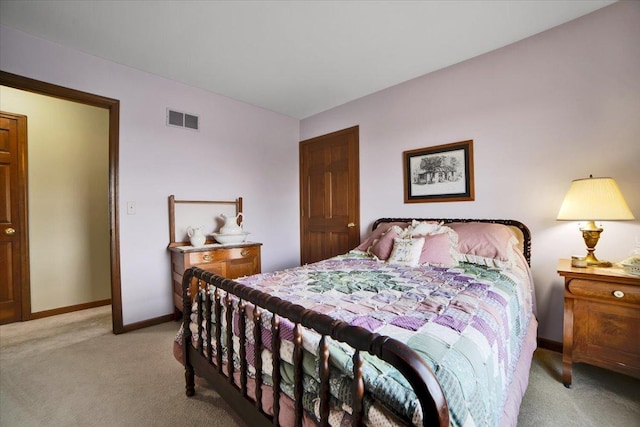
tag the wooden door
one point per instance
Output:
(329, 195)
(13, 234)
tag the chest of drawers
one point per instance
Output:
(230, 261)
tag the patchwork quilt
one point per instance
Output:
(468, 322)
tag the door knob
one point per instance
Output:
(351, 225)
(10, 231)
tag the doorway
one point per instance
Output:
(112, 107)
(329, 195)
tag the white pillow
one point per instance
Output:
(423, 228)
(406, 251)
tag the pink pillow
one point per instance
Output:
(375, 234)
(485, 243)
(437, 251)
(382, 248)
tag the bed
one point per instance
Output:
(427, 322)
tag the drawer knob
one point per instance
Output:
(207, 257)
(245, 252)
(618, 294)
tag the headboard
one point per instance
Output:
(520, 230)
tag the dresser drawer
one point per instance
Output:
(226, 254)
(606, 291)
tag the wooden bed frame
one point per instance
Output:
(236, 393)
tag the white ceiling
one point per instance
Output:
(294, 57)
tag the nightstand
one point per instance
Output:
(601, 319)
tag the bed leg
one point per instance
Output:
(189, 374)
(189, 377)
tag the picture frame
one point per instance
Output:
(442, 173)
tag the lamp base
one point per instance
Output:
(592, 261)
(591, 235)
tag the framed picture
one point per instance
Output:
(443, 173)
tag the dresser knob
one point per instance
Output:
(618, 294)
(207, 257)
(245, 252)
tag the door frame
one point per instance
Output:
(113, 106)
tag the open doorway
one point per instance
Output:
(112, 107)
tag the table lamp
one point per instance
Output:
(594, 199)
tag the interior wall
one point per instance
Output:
(552, 108)
(68, 205)
(240, 150)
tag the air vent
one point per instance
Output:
(182, 120)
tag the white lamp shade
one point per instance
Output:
(594, 199)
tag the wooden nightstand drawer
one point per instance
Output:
(604, 290)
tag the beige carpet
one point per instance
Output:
(597, 397)
(70, 370)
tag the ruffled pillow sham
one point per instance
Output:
(423, 228)
(489, 244)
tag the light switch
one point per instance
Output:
(131, 208)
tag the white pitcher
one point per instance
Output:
(231, 224)
(196, 236)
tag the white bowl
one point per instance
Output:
(230, 238)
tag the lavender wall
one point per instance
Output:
(241, 150)
(557, 106)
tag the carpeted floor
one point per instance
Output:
(70, 370)
(597, 397)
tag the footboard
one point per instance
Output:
(210, 292)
